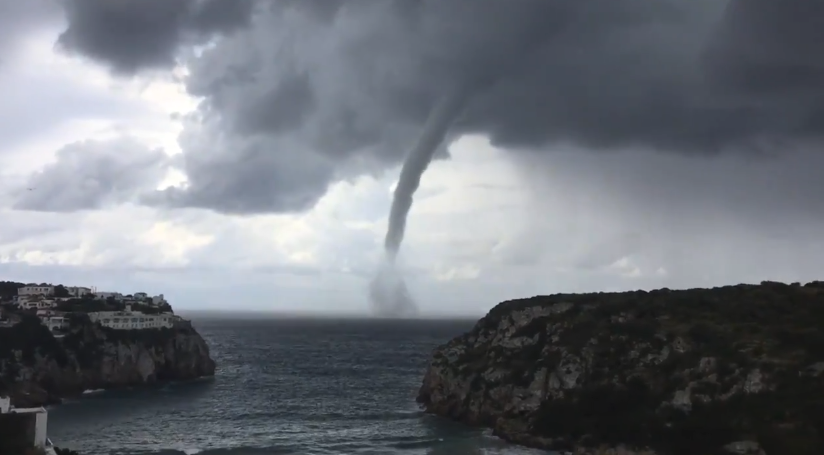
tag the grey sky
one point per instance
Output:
(678, 138)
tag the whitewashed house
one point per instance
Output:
(38, 304)
(158, 300)
(55, 323)
(36, 290)
(54, 320)
(140, 296)
(78, 291)
(133, 320)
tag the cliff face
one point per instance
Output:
(39, 369)
(732, 370)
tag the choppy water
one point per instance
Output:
(285, 387)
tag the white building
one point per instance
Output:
(36, 290)
(37, 304)
(55, 323)
(78, 291)
(38, 417)
(140, 296)
(158, 300)
(133, 320)
(54, 320)
(105, 295)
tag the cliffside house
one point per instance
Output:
(140, 296)
(36, 303)
(133, 320)
(158, 300)
(23, 428)
(35, 290)
(78, 291)
(56, 321)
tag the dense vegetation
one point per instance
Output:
(163, 308)
(28, 337)
(88, 304)
(741, 327)
(83, 341)
(773, 330)
(61, 291)
(8, 289)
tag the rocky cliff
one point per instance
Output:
(731, 370)
(36, 368)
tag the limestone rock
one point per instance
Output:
(736, 369)
(38, 369)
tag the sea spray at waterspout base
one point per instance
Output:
(389, 295)
(387, 291)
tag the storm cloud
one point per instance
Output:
(296, 95)
(88, 175)
(134, 35)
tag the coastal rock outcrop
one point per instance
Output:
(36, 368)
(729, 370)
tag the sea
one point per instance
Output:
(285, 386)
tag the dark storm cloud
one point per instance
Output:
(131, 35)
(769, 47)
(328, 88)
(88, 175)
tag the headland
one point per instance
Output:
(729, 370)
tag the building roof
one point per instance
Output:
(27, 410)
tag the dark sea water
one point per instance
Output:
(284, 387)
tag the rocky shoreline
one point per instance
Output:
(729, 370)
(37, 369)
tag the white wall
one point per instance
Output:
(132, 320)
(5, 404)
(34, 290)
(40, 430)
